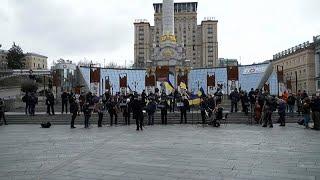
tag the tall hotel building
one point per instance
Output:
(200, 41)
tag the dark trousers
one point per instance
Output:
(64, 105)
(203, 117)
(50, 108)
(113, 113)
(27, 109)
(100, 119)
(267, 119)
(151, 119)
(316, 119)
(3, 117)
(172, 104)
(32, 109)
(164, 117)
(86, 121)
(127, 119)
(73, 117)
(282, 119)
(234, 105)
(183, 115)
(139, 122)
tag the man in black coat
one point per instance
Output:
(64, 100)
(32, 103)
(203, 108)
(26, 99)
(137, 109)
(291, 102)
(252, 99)
(87, 114)
(183, 110)
(2, 111)
(74, 111)
(234, 97)
(112, 109)
(164, 111)
(50, 103)
(315, 107)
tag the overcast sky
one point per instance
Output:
(103, 29)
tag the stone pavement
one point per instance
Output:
(159, 152)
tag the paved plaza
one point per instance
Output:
(159, 152)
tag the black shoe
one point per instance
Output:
(316, 129)
(73, 127)
(5, 123)
(282, 125)
(264, 126)
(271, 126)
(137, 129)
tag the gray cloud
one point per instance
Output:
(103, 29)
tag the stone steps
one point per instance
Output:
(173, 118)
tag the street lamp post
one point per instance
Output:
(278, 74)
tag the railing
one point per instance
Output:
(33, 72)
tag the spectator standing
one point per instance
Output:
(183, 110)
(306, 112)
(137, 109)
(74, 112)
(291, 102)
(234, 97)
(26, 100)
(282, 112)
(315, 107)
(151, 109)
(64, 101)
(87, 114)
(2, 112)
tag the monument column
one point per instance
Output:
(168, 17)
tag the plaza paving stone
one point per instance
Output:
(159, 152)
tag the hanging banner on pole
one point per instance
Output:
(280, 75)
(289, 85)
(94, 80)
(211, 80)
(211, 83)
(162, 73)
(233, 73)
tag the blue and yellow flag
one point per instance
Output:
(201, 93)
(194, 100)
(168, 87)
(183, 85)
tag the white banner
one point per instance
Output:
(254, 70)
(94, 88)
